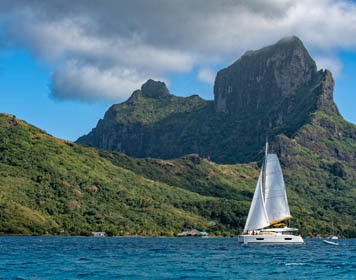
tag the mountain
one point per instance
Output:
(276, 92)
(49, 185)
(264, 93)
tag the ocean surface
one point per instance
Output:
(172, 258)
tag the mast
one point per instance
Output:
(265, 169)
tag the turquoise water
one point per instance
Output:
(171, 258)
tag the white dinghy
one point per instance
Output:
(330, 242)
(269, 207)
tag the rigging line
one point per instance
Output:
(275, 196)
(273, 172)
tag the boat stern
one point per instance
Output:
(270, 239)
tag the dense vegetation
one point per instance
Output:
(320, 166)
(48, 185)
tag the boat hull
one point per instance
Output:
(330, 242)
(270, 239)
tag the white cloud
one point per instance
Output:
(332, 64)
(206, 75)
(158, 38)
(87, 82)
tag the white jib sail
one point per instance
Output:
(257, 216)
(275, 191)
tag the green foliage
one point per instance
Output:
(48, 185)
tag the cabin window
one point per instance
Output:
(259, 238)
(288, 238)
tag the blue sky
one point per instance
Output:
(63, 63)
(25, 92)
(345, 87)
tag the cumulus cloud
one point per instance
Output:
(92, 83)
(206, 75)
(106, 49)
(330, 63)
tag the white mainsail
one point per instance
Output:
(257, 216)
(276, 201)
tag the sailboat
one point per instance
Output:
(269, 208)
(333, 236)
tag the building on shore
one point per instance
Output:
(99, 234)
(193, 233)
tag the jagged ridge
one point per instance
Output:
(265, 92)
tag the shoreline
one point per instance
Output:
(116, 236)
(141, 236)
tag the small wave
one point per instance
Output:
(84, 275)
(295, 264)
(25, 263)
(155, 249)
(84, 259)
(278, 272)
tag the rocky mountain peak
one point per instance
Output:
(154, 89)
(264, 76)
(272, 91)
(291, 40)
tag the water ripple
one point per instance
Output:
(171, 258)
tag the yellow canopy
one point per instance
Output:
(280, 220)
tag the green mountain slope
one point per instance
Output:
(320, 166)
(50, 185)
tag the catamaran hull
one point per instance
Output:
(270, 239)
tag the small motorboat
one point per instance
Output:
(330, 242)
(333, 237)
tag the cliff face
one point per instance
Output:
(150, 124)
(154, 89)
(266, 92)
(262, 78)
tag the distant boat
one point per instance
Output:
(333, 236)
(269, 207)
(330, 242)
